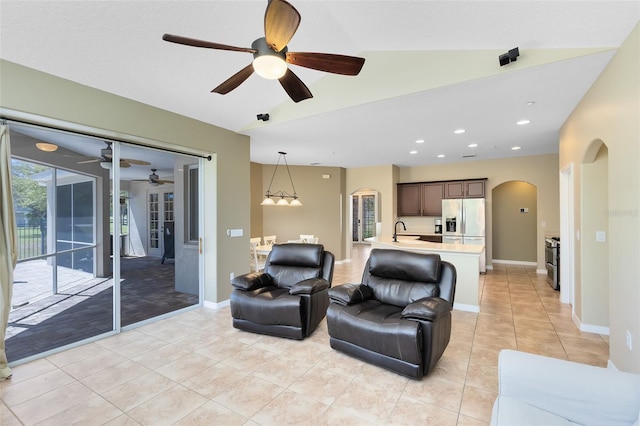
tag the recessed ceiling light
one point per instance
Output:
(420, 141)
(472, 145)
(46, 147)
(441, 156)
(515, 148)
(413, 152)
(459, 131)
(523, 122)
(530, 103)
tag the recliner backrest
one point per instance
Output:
(401, 277)
(288, 264)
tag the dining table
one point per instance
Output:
(264, 250)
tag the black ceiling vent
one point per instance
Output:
(469, 156)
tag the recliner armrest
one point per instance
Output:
(251, 281)
(349, 294)
(427, 309)
(309, 286)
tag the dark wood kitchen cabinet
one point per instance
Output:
(465, 189)
(474, 188)
(425, 198)
(420, 199)
(408, 199)
(432, 194)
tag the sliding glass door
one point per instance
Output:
(76, 238)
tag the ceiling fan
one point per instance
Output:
(271, 54)
(154, 179)
(106, 159)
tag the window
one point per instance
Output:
(191, 203)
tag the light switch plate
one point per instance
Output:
(601, 236)
(235, 233)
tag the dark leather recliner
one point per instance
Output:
(288, 299)
(399, 317)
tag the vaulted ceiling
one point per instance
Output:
(431, 68)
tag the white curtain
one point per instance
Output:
(8, 245)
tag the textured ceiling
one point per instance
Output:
(431, 67)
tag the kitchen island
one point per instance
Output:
(465, 258)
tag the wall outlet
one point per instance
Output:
(231, 276)
(524, 210)
(629, 341)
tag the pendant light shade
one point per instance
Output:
(282, 195)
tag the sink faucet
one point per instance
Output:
(395, 230)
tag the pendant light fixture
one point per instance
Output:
(269, 196)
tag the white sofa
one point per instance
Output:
(537, 390)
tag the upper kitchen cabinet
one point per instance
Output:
(420, 199)
(408, 199)
(465, 189)
(432, 194)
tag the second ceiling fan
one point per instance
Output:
(271, 54)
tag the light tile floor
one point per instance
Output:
(194, 368)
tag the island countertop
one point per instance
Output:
(413, 243)
(464, 257)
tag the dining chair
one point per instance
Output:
(256, 262)
(269, 240)
(256, 240)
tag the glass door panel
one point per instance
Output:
(364, 214)
(61, 271)
(156, 229)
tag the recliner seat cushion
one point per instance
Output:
(268, 306)
(377, 327)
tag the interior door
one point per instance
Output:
(160, 209)
(364, 208)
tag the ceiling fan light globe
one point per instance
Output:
(270, 67)
(46, 147)
(106, 165)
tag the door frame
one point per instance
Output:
(360, 212)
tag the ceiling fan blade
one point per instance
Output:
(162, 181)
(235, 80)
(124, 164)
(294, 87)
(327, 62)
(281, 21)
(93, 160)
(206, 44)
(136, 162)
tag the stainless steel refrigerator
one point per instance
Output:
(464, 223)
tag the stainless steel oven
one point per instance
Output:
(552, 261)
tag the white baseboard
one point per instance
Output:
(541, 271)
(339, 262)
(590, 328)
(465, 307)
(216, 305)
(515, 262)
